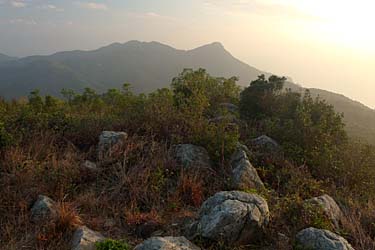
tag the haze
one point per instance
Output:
(320, 44)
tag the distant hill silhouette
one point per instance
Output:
(5, 58)
(148, 66)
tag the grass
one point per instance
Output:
(143, 184)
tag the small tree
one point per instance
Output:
(259, 99)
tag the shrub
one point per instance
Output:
(110, 244)
(5, 137)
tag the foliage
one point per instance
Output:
(110, 244)
(44, 140)
(259, 99)
(309, 129)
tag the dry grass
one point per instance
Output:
(141, 185)
(360, 224)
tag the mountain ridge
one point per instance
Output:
(6, 58)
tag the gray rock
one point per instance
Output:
(318, 239)
(43, 209)
(192, 156)
(266, 143)
(329, 207)
(235, 217)
(85, 239)
(167, 243)
(244, 175)
(109, 142)
(90, 166)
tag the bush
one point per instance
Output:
(5, 138)
(110, 244)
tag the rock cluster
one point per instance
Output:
(233, 217)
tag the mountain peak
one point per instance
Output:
(210, 46)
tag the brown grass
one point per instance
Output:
(141, 184)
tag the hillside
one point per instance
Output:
(201, 164)
(148, 66)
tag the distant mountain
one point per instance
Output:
(148, 66)
(5, 58)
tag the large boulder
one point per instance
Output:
(244, 175)
(43, 209)
(191, 156)
(232, 216)
(318, 239)
(85, 239)
(167, 243)
(110, 142)
(329, 208)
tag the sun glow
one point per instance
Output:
(348, 22)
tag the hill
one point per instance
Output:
(148, 66)
(215, 169)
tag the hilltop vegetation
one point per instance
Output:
(139, 63)
(44, 141)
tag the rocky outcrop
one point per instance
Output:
(244, 175)
(167, 243)
(329, 207)
(191, 156)
(234, 217)
(318, 239)
(110, 142)
(85, 239)
(43, 209)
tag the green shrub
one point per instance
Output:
(110, 244)
(5, 138)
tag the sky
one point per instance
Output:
(328, 44)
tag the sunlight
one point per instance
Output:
(344, 22)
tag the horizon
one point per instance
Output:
(285, 37)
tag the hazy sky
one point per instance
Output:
(327, 44)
